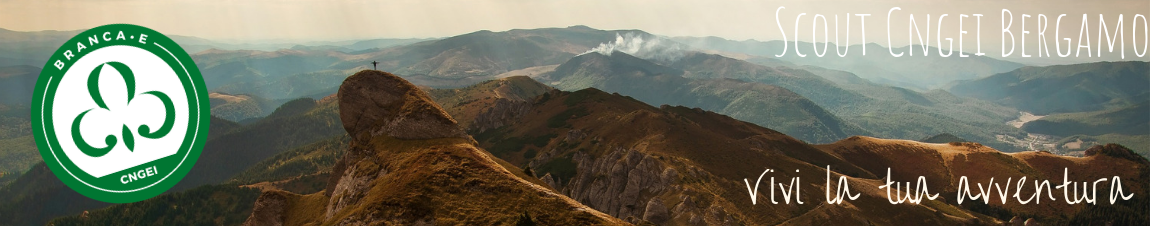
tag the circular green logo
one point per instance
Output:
(120, 113)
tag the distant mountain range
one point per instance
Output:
(763, 95)
(17, 84)
(1064, 88)
(30, 48)
(655, 84)
(911, 70)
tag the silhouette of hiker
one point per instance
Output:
(374, 64)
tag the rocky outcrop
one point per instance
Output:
(656, 212)
(627, 184)
(351, 184)
(550, 181)
(269, 209)
(1031, 222)
(375, 103)
(502, 112)
(619, 183)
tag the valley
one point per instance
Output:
(1023, 118)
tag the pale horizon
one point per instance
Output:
(302, 21)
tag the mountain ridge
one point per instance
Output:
(658, 85)
(391, 177)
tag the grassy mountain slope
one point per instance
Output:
(633, 161)
(943, 164)
(390, 176)
(588, 142)
(502, 96)
(464, 191)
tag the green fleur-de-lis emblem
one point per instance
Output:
(140, 155)
(126, 133)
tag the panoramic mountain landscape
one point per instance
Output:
(579, 126)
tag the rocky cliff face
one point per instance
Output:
(616, 180)
(409, 163)
(376, 103)
(269, 209)
(501, 113)
(629, 184)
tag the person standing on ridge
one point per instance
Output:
(374, 64)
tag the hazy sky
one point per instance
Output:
(298, 20)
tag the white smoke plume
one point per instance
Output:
(633, 44)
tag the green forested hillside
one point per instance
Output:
(37, 196)
(1131, 120)
(1128, 126)
(1064, 88)
(225, 204)
(293, 125)
(17, 147)
(302, 170)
